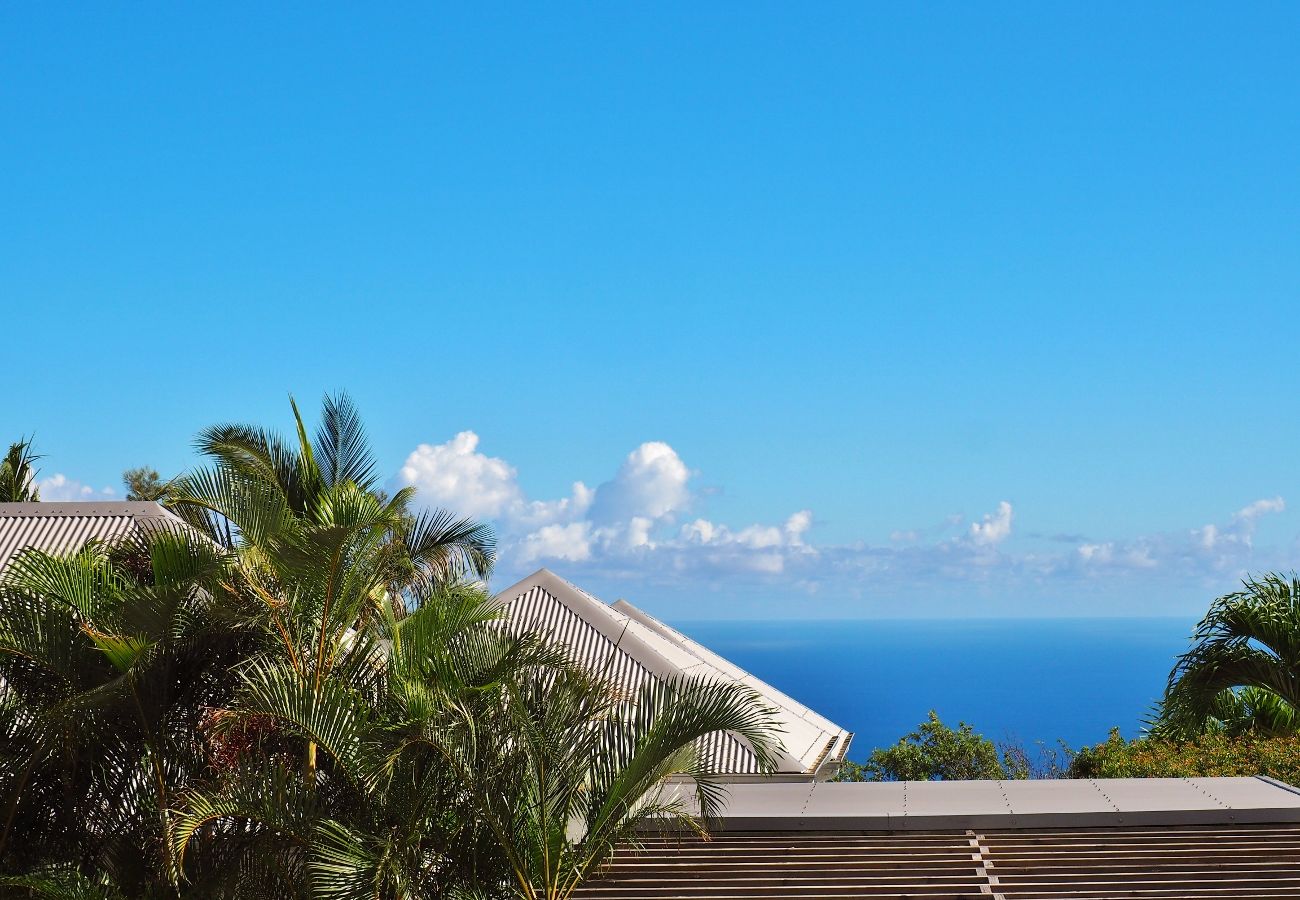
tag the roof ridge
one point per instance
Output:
(709, 657)
(665, 652)
(52, 508)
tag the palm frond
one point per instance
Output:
(341, 446)
(1248, 641)
(444, 548)
(328, 713)
(58, 882)
(18, 474)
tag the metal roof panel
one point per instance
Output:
(65, 527)
(635, 646)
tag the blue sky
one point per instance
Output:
(801, 296)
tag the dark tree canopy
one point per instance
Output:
(144, 483)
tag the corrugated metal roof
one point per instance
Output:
(632, 646)
(1161, 837)
(56, 527)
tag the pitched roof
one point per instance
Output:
(1159, 837)
(57, 527)
(635, 647)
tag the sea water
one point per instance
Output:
(1024, 680)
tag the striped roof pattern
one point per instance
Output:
(56, 527)
(1095, 838)
(1188, 838)
(1186, 862)
(632, 647)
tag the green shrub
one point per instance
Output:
(1206, 755)
(935, 752)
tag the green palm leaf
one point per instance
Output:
(1248, 641)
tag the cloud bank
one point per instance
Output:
(649, 522)
(643, 512)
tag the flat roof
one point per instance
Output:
(1056, 803)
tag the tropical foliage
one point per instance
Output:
(936, 752)
(1242, 673)
(1212, 754)
(308, 694)
(144, 483)
(17, 474)
(106, 678)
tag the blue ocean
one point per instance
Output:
(1029, 680)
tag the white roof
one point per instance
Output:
(1055, 803)
(635, 646)
(66, 527)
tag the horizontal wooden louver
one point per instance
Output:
(1193, 862)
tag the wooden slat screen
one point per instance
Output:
(1194, 863)
(1186, 862)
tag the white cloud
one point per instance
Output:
(456, 476)
(1097, 552)
(754, 537)
(638, 532)
(648, 522)
(61, 487)
(995, 528)
(570, 542)
(1207, 536)
(1253, 511)
(539, 512)
(651, 483)
(1211, 551)
(1110, 554)
(627, 519)
(760, 537)
(701, 531)
(1241, 530)
(797, 525)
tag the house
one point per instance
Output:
(633, 646)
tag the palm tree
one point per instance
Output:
(261, 486)
(588, 769)
(107, 659)
(335, 565)
(1243, 670)
(316, 553)
(320, 545)
(17, 476)
(552, 765)
(484, 763)
(284, 834)
(322, 701)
